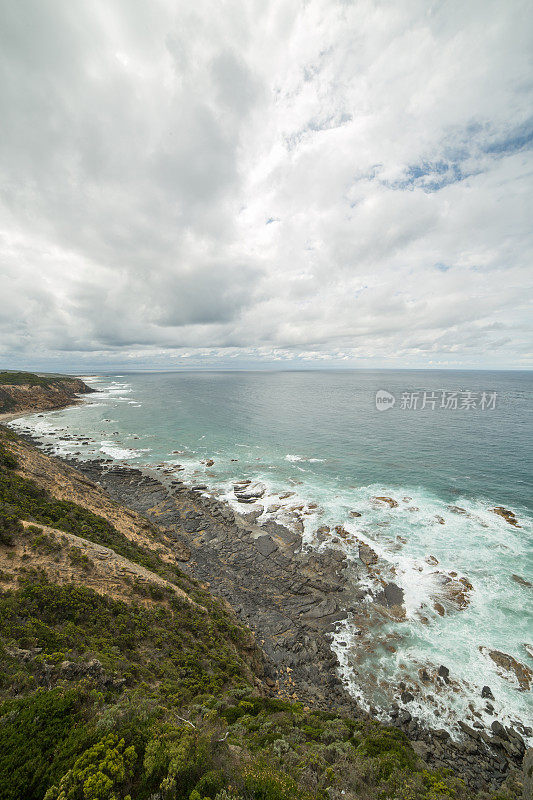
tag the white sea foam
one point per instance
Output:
(113, 450)
(294, 458)
(40, 427)
(111, 394)
(442, 640)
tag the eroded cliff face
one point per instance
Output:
(35, 393)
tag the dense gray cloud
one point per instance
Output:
(261, 182)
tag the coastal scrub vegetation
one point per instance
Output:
(31, 379)
(102, 699)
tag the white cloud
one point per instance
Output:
(320, 181)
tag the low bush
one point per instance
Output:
(103, 772)
(40, 733)
(10, 526)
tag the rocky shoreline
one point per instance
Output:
(291, 599)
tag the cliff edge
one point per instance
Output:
(26, 391)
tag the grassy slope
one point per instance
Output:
(73, 730)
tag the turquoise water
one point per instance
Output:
(320, 436)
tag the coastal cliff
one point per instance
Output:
(155, 644)
(25, 391)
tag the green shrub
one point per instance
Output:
(80, 559)
(10, 526)
(43, 542)
(40, 733)
(7, 460)
(191, 656)
(210, 783)
(391, 749)
(253, 706)
(102, 772)
(178, 758)
(264, 783)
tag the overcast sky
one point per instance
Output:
(320, 183)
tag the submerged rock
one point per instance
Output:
(340, 531)
(510, 665)
(454, 592)
(522, 581)
(507, 515)
(388, 500)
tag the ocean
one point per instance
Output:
(441, 448)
